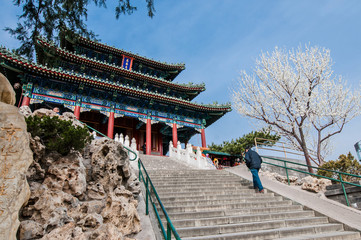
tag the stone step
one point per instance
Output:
(232, 212)
(184, 172)
(286, 233)
(248, 197)
(188, 171)
(252, 226)
(215, 204)
(200, 182)
(193, 202)
(210, 193)
(192, 174)
(206, 190)
(195, 208)
(345, 235)
(197, 181)
(209, 179)
(240, 219)
(339, 186)
(200, 187)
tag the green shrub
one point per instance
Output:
(58, 135)
(346, 164)
(237, 146)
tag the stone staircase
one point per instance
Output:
(214, 204)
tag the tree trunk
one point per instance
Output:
(308, 162)
(305, 150)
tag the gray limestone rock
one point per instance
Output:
(25, 111)
(30, 230)
(7, 93)
(76, 197)
(15, 158)
(315, 185)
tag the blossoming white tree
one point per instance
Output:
(297, 94)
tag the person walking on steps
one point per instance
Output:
(253, 162)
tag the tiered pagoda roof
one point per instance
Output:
(48, 48)
(113, 50)
(21, 65)
(68, 37)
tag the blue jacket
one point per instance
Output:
(253, 160)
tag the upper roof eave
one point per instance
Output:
(29, 66)
(102, 46)
(109, 67)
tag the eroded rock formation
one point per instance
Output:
(15, 158)
(7, 93)
(314, 184)
(308, 183)
(89, 195)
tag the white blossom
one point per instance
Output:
(298, 94)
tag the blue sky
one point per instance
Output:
(216, 39)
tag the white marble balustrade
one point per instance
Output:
(187, 155)
(126, 143)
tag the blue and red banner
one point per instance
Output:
(127, 62)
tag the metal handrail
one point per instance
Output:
(128, 149)
(316, 175)
(283, 147)
(167, 234)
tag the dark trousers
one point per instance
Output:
(256, 181)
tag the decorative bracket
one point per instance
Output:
(171, 125)
(198, 130)
(144, 120)
(107, 114)
(32, 101)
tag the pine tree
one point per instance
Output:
(238, 146)
(48, 17)
(345, 163)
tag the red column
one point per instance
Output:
(26, 101)
(203, 137)
(77, 112)
(175, 136)
(148, 134)
(160, 144)
(111, 125)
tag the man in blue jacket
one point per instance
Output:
(253, 162)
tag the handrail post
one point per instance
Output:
(140, 170)
(255, 143)
(284, 150)
(150, 190)
(344, 190)
(169, 231)
(288, 179)
(146, 197)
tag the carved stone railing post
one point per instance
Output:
(171, 149)
(126, 141)
(189, 153)
(199, 156)
(121, 138)
(179, 148)
(116, 137)
(133, 146)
